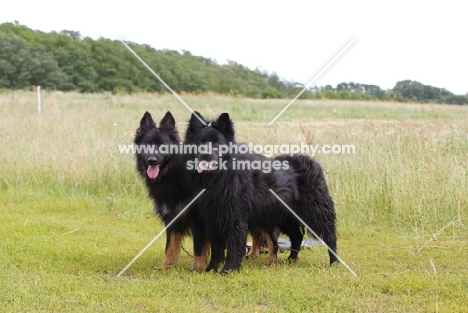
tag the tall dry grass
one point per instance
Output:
(409, 169)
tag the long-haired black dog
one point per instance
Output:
(239, 200)
(167, 182)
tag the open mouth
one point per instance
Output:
(206, 166)
(153, 171)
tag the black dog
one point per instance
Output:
(239, 200)
(168, 185)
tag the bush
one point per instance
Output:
(271, 93)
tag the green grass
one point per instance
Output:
(73, 212)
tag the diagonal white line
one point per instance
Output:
(161, 80)
(313, 80)
(160, 233)
(318, 237)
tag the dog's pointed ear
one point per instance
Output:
(197, 120)
(168, 122)
(225, 126)
(146, 123)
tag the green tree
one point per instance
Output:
(44, 70)
(78, 67)
(409, 90)
(15, 58)
(107, 57)
(271, 93)
(454, 99)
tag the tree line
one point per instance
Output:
(68, 62)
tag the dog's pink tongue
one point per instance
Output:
(201, 167)
(153, 171)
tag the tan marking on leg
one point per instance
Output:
(172, 251)
(205, 253)
(271, 251)
(254, 251)
(200, 262)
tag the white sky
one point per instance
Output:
(396, 40)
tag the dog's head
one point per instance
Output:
(208, 136)
(149, 138)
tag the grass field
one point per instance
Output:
(73, 212)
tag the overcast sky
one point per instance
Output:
(396, 40)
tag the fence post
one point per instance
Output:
(39, 100)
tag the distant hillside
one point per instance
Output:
(67, 61)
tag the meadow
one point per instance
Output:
(73, 211)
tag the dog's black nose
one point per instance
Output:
(207, 155)
(152, 160)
